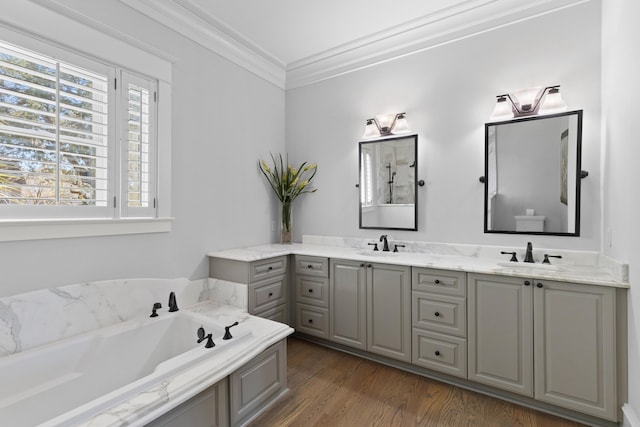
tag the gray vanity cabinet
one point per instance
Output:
(311, 295)
(348, 303)
(575, 347)
(370, 307)
(267, 280)
(439, 320)
(500, 314)
(553, 341)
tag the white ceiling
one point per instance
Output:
(291, 30)
(295, 42)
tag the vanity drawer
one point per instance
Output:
(312, 290)
(439, 281)
(439, 352)
(312, 320)
(264, 269)
(439, 313)
(312, 266)
(267, 294)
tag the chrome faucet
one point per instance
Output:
(528, 256)
(385, 244)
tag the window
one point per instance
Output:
(77, 138)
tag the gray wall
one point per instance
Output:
(224, 118)
(620, 155)
(448, 93)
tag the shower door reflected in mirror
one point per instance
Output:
(388, 195)
(532, 175)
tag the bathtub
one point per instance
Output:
(68, 381)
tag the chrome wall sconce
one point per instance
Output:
(385, 125)
(528, 102)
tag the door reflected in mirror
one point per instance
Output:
(532, 175)
(388, 195)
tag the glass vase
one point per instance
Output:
(285, 222)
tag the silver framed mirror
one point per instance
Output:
(532, 175)
(388, 183)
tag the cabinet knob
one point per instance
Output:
(539, 284)
(310, 320)
(270, 294)
(310, 291)
(527, 283)
(270, 268)
(369, 265)
(310, 267)
(437, 281)
(437, 353)
(362, 265)
(437, 313)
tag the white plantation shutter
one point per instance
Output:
(138, 151)
(60, 154)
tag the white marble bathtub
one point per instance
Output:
(66, 381)
(127, 372)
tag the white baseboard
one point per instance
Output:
(631, 418)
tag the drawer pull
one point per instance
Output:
(437, 282)
(310, 291)
(362, 265)
(437, 314)
(539, 285)
(527, 283)
(437, 353)
(310, 320)
(270, 294)
(310, 267)
(369, 265)
(270, 268)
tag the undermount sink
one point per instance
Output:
(528, 266)
(379, 253)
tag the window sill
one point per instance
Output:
(16, 230)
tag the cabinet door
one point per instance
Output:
(501, 332)
(575, 347)
(347, 310)
(389, 311)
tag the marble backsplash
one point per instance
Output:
(37, 318)
(618, 270)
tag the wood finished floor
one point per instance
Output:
(331, 388)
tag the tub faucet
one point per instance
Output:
(173, 305)
(528, 256)
(385, 243)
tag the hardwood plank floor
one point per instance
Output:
(331, 388)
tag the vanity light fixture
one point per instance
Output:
(528, 102)
(385, 125)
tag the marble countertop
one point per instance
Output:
(147, 405)
(587, 269)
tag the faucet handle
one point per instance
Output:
(547, 256)
(156, 306)
(375, 246)
(227, 334)
(395, 247)
(513, 255)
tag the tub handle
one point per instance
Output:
(156, 306)
(227, 334)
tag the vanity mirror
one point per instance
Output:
(532, 175)
(388, 183)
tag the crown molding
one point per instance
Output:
(466, 19)
(186, 18)
(59, 7)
